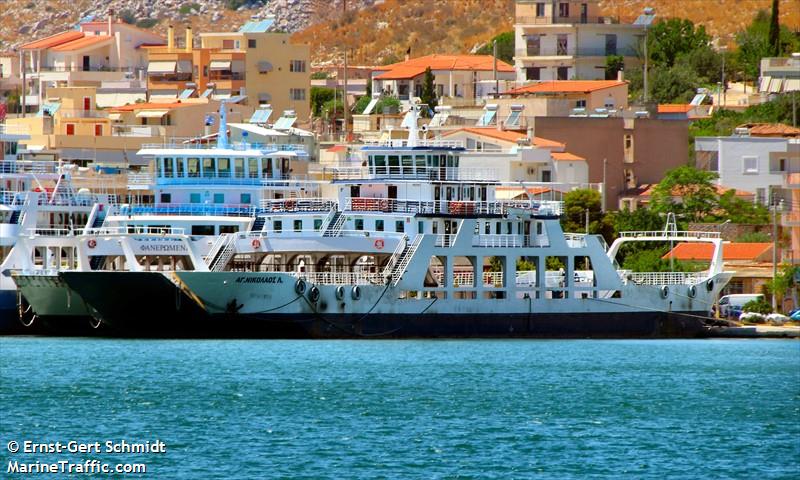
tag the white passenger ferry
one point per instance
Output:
(415, 246)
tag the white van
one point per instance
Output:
(731, 305)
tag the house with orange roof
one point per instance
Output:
(561, 98)
(463, 78)
(570, 40)
(751, 263)
(95, 52)
(682, 111)
(516, 157)
(756, 158)
(10, 78)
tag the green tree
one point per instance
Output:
(705, 62)
(319, 75)
(668, 39)
(387, 102)
(361, 104)
(686, 191)
(319, 96)
(332, 109)
(677, 84)
(576, 203)
(737, 210)
(754, 43)
(614, 63)
(784, 283)
(775, 29)
(128, 17)
(505, 47)
(428, 96)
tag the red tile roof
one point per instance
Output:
(566, 86)
(674, 107)
(416, 66)
(81, 43)
(506, 135)
(566, 157)
(730, 251)
(337, 148)
(53, 40)
(771, 130)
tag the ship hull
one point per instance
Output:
(54, 307)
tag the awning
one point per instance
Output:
(114, 116)
(161, 67)
(163, 97)
(151, 113)
(220, 65)
(264, 67)
(791, 85)
(775, 85)
(763, 86)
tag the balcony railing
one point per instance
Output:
(604, 52)
(790, 219)
(226, 76)
(173, 77)
(664, 278)
(14, 129)
(76, 113)
(138, 130)
(417, 173)
(556, 20)
(545, 52)
(79, 68)
(298, 205)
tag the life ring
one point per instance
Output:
(664, 291)
(379, 244)
(256, 243)
(91, 243)
(356, 292)
(300, 286)
(340, 292)
(313, 294)
(384, 205)
(692, 291)
(710, 284)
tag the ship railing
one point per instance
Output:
(575, 240)
(667, 234)
(50, 232)
(664, 278)
(445, 240)
(368, 234)
(341, 278)
(446, 207)
(219, 210)
(499, 240)
(29, 166)
(410, 172)
(524, 278)
(221, 179)
(298, 205)
(133, 230)
(40, 272)
(395, 143)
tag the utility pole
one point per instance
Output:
(603, 196)
(24, 80)
(344, 94)
(774, 207)
(587, 221)
(494, 69)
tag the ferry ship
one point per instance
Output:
(414, 246)
(203, 190)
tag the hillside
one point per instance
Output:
(24, 20)
(382, 33)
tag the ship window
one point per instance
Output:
(228, 229)
(487, 228)
(539, 228)
(555, 276)
(193, 167)
(399, 227)
(509, 228)
(359, 224)
(394, 164)
(380, 163)
(420, 227)
(194, 198)
(244, 198)
(168, 167)
(378, 225)
(252, 167)
(219, 198)
(179, 171)
(277, 226)
(202, 229)
(408, 164)
(166, 198)
(497, 228)
(266, 168)
(317, 223)
(208, 167)
(238, 167)
(420, 160)
(298, 225)
(224, 167)
(434, 227)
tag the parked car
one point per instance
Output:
(730, 306)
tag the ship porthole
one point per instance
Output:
(692, 291)
(710, 284)
(664, 291)
(300, 287)
(313, 294)
(356, 292)
(340, 292)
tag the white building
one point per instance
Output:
(779, 75)
(569, 40)
(754, 159)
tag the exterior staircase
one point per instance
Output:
(398, 267)
(258, 225)
(335, 225)
(222, 251)
(15, 215)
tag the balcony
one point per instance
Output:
(78, 68)
(604, 52)
(545, 52)
(792, 181)
(138, 130)
(790, 219)
(70, 113)
(545, 20)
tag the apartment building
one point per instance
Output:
(253, 66)
(569, 39)
(10, 77)
(456, 77)
(621, 152)
(96, 52)
(779, 75)
(755, 158)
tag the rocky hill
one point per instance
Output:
(383, 33)
(25, 20)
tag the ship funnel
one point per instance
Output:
(222, 136)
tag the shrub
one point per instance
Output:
(757, 306)
(147, 23)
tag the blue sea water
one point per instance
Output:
(411, 409)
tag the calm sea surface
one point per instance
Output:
(411, 409)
